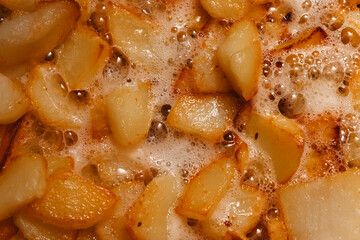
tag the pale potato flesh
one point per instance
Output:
(323, 209)
(72, 202)
(281, 139)
(207, 116)
(148, 218)
(13, 101)
(55, 162)
(206, 189)
(50, 98)
(34, 34)
(21, 182)
(229, 9)
(82, 56)
(240, 57)
(130, 111)
(25, 5)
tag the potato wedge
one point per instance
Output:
(207, 116)
(130, 112)
(51, 100)
(240, 57)
(82, 56)
(35, 229)
(206, 189)
(281, 139)
(13, 101)
(229, 9)
(237, 213)
(22, 181)
(72, 202)
(33, 34)
(56, 162)
(148, 218)
(22, 5)
(7, 229)
(324, 209)
(135, 37)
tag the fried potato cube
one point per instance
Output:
(130, 110)
(35, 229)
(324, 209)
(22, 181)
(281, 139)
(206, 189)
(55, 162)
(207, 116)
(240, 57)
(148, 218)
(72, 202)
(7, 229)
(82, 56)
(34, 34)
(237, 213)
(51, 100)
(13, 101)
(229, 9)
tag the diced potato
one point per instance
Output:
(207, 116)
(33, 34)
(82, 56)
(22, 5)
(35, 229)
(56, 162)
(324, 209)
(7, 229)
(229, 9)
(130, 111)
(135, 37)
(51, 100)
(309, 38)
(240, 57)
(242, 156)
(276, 229)
(22, 181)
(148, 218)
(184, 83)
(281, 139)
(72, 202)
(206, 189)
(237, 213)
(14, 72)
(13, 101)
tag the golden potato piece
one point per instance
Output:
(206, 189)
(207, 116)
(148, 218)
(130, 111)
(55, 162)
(13, 101)
(237, 213)
(276, 228)
(324, 209)
(229, 9)
(281, 139)
(72, 202)
(87, 234)
(240, 57)
(35, 229)
(33, 34)
(51, 100)
(82, 56)
(7, 229)
(22, 181)
(22, 5)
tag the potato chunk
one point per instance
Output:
(206, 189)
(33, 34)
(23, 5)
(56, 162)
(324, 209)
(81, 57)
(130, 111)
(229, 9)
(240, 57)
(237, 213)
(281, 139)
(22, 181)
(13, 101)
(134, 36)
(72, 202)
(35, 229)
(148, 218)
(207, 116)
(51, 100)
